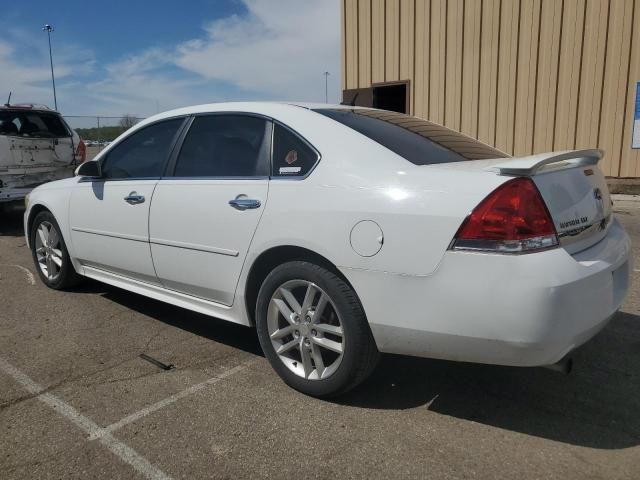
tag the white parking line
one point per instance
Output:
(122, 451)
(30, 277)
(167, 401)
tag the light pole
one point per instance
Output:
(48, 28)
(326, 87)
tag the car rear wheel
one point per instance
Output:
(50, 253)
(313, 330)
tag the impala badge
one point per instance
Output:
(598, 194)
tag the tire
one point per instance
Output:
(341, 322)
(64, 275)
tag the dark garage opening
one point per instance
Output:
(391, 97)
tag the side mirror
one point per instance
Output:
(89, 169)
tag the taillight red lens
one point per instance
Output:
(512, 219)
(81, 152)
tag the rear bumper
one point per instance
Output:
(13, 194)
(15, 186)
(521, 310)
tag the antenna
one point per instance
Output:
(8, 100)
(352, 103)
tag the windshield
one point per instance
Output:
(31, 124)
(419, 141)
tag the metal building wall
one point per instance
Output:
(526, 76)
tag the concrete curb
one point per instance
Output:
(625, 202)
(627, 186)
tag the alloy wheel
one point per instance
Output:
(48, 250)
(305, 329)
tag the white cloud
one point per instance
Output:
(278, 50)
(25, 81)
(28, 76)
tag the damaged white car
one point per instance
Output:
(36, 146)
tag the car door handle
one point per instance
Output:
(244, 203)
(133, 198)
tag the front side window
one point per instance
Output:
(292, 156)
(224, 146)
(142, 154)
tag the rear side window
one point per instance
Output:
(292, 156)
(142, 154)
(419, 141)
(224, 146)
(32, 124)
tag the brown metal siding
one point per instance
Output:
(526, 76)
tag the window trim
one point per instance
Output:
(305, 141)
(172, 146)
(171, 163)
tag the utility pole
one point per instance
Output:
(48, 28)
(326, 87)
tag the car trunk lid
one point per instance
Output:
(35, 147)
(574, 190)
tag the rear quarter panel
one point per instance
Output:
(418, 208)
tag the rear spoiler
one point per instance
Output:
(531, 165)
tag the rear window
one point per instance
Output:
(292, 156)
(32, 124)
(419, 141)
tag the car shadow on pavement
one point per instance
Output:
(11, 221)
(221, 331)
(595, 406)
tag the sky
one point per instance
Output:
(142, 57)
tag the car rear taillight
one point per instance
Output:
(512, 219)
(81, 152)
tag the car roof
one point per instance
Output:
(244, 106)
(330, 106)
(271, 108)
(31, 107)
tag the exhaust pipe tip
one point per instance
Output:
(564, 366)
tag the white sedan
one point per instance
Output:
(341, 232)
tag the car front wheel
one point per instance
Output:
(313, 330)
(50, 253)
